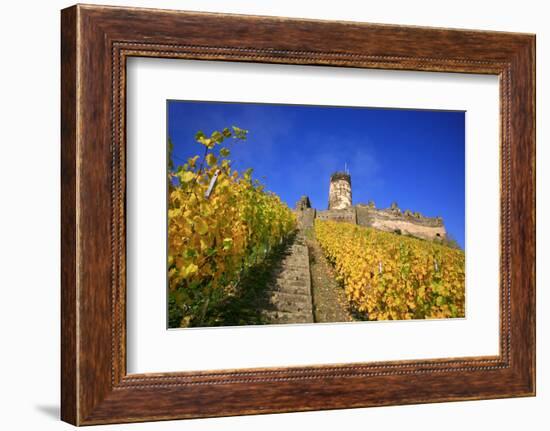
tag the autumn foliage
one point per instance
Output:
(388, 276)
(220, 223)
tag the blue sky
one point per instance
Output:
(413, 157)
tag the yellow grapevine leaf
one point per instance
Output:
(211, 159)
(190, 270)
(200, 226)
(187, 177)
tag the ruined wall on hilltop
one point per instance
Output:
(305, 217)
(391, 219)
(405, 223)
(348, 215)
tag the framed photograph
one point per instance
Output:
(265, 214)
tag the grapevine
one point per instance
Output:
(393, 277)
(221, 222)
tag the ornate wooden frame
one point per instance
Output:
(95, 43)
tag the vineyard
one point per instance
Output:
(221, 225)
(387, 276)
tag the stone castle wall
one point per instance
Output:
(407, 222)
(386, 221)
(379, 219)
(305, 217)
(390, 219)
(348, 215)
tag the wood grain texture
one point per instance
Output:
(96, 41)
(69, 397)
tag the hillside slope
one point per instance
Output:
(387, 276)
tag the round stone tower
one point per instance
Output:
(339, 194)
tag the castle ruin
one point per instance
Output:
(339, 193)
(392, 219)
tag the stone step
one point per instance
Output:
(282, 283)
(293, 290)
(289, 293)
(285, 317)
(292, 267)
(293, 275)
(295, 260)
(290, 302)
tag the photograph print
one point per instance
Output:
(299, 214)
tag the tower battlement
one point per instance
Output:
(339, 194)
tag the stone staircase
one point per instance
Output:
(289, 294)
